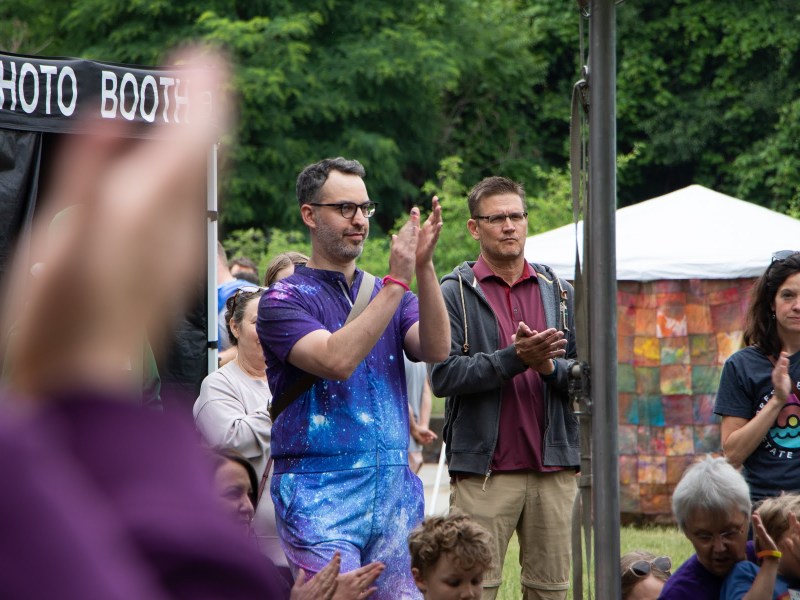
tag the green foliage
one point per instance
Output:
(455, 243)
(284, 241)
(30, 27)
(705, 88)
(706, 93)
(324, 78)
(551, 205)
(251, 243)
(770, 172)
(661, 541)
(510, 109)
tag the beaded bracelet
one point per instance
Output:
(769, 553)
(390, 279)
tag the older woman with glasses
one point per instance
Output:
(232, 410)
(711, 504)
(643, 575)
(758, 397)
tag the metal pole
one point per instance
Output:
(602, 295)
(211, 257)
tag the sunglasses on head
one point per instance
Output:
(642, 568)
(782, 255)
(245, 289)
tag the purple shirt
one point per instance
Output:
(522, 420)
(335, 424)
(692, 581)
(104, 500)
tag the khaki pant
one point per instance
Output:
(538, 506)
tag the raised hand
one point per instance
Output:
(402, 256)
(429, 234)
(763, 539)
(108, 278)
(781, 380)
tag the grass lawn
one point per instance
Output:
(661, 541)
(658, 540)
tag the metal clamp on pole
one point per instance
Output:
(579, 386)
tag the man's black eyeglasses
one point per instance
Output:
(642, 568)
(348, 209)
(516, 218)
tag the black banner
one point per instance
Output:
(62, 95)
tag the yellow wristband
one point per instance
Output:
(769, 553)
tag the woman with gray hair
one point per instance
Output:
(712, 507)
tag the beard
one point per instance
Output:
(337, 245)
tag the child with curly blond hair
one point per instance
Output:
(776, 525)
(449, 555)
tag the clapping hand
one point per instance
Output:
(781, 380)
(429, 235)
(537, 349)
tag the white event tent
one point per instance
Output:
(691, 233)
(686, 262)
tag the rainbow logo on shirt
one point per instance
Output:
(786, 431)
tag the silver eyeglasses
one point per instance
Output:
(516, 218)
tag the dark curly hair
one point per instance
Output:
(235, 307)
(458, 535)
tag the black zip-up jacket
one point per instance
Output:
(472, 376)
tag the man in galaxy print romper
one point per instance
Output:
(342, 481)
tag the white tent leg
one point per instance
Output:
(211, 257)
(437, 483)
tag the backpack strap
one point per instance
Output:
(308, 379)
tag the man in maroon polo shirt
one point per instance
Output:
(510, 432)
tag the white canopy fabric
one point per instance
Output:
(692, 233)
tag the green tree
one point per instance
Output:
(705, 91)
(328, 78)
(510, 109)
(398, 87)
(251, 243)
(31, 27)
(455, 243)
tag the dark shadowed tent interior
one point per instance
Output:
(43, 100)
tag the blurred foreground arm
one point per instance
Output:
(107, 279)
(116, 501)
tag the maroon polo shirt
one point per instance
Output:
(522, 416)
